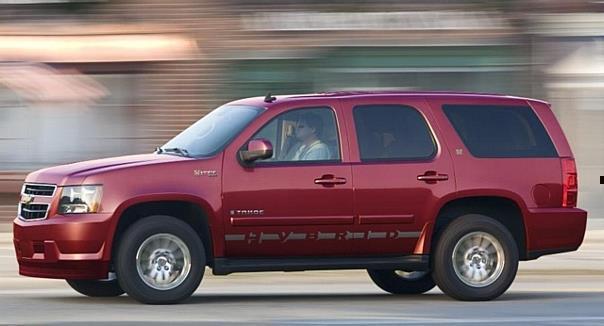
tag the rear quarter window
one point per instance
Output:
(500, 131)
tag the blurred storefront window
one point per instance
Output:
(467, 68)
(55, 118)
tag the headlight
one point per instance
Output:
(80, 199)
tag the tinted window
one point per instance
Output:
(302, 135)
(500, 131)
(215, 130)
(392, 132)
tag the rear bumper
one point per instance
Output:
(554, 230)
(66, 247)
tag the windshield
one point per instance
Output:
(213, 132)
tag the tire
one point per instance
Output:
(97, 288)
(152, 265)
(399, 282)
(486, 257)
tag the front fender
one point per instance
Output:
(212, 212)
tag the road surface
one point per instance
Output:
(566, 289)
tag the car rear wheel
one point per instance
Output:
(402, 282)
(161, 260)
(476, 259)
(97, 288)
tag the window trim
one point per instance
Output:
(508, 106)
(429, 158)
(262, 163)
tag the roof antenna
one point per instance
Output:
(269, 98)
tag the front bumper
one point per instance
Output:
(66, 247)
(554, 230)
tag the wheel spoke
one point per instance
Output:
(478, 259)
(163, 261)
(173, 246)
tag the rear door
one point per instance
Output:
(400, 170)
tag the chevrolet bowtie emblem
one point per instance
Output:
(26, 199)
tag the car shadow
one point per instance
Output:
(201, 298)
(319, 298)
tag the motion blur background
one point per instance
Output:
(88, 79)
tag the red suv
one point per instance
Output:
(420, 189)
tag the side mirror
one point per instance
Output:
(257, 149)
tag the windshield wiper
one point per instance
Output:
(175, 150)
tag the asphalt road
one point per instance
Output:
(566, 289)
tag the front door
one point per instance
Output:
(400, 170)
(299, 201)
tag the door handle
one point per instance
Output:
(432, 177)
(330, 180)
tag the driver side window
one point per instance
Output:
(302, 135)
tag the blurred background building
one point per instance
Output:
(97, 78)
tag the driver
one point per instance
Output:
(308, 131)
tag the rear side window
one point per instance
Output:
(392, 132)
(500, 131)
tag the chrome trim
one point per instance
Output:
(20, 204)
(54, 189)
(31, 219)
(34, 210)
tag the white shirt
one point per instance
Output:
(316, 151)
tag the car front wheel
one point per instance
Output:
(161, 260)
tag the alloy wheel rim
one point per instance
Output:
(163, 261)
(478, 259)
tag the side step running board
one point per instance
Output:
(224, 266)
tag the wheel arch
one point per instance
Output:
(190, 209)
(507, 210)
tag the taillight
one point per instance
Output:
(569, 183)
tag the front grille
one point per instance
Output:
(30, 207)
(33, 211)
(39, 190)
